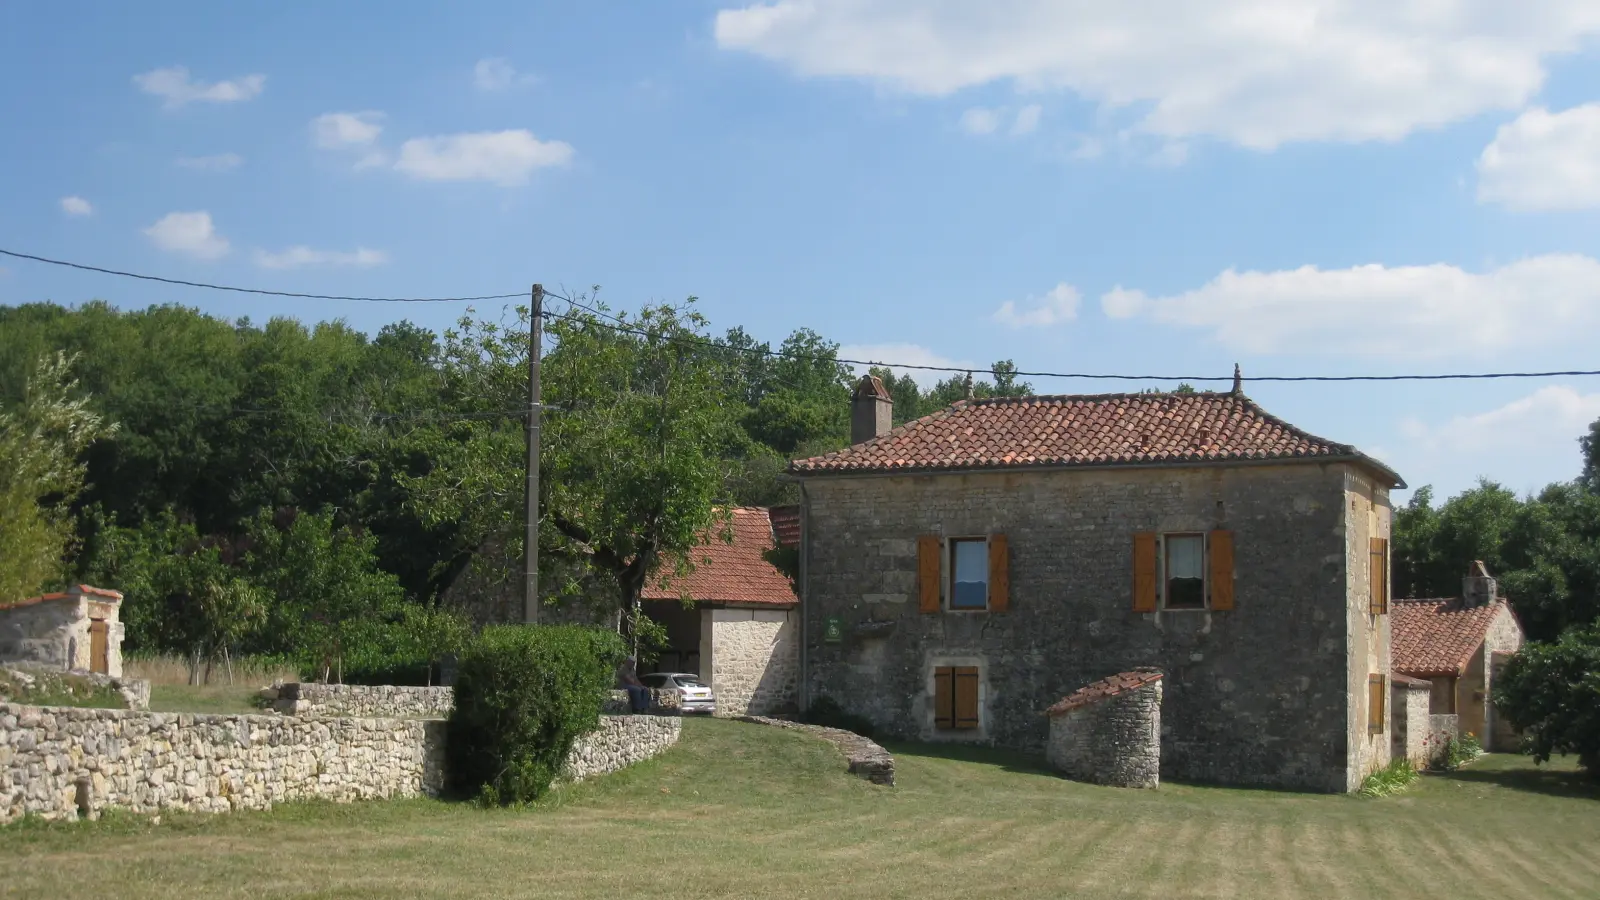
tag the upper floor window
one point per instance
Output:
(963, 574)
(1182, 570)
(969, 573)
(1184, 581)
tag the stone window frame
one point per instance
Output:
(935, 661)
(948, 574)
(1205, 571)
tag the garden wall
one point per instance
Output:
(384, 701)
(56, 761)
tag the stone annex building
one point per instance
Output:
(965, 571)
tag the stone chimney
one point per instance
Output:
(1238, 380)
(871, 410)
(1479, 587)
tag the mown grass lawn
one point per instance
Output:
(225, 699)
(745, 811)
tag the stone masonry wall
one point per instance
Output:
(1115, 741)
(754, 658)
(148, 762)
(55, 760)
(1367, 515)
(383, 701)
(1503, 638)
(1408, 722)
(1256, 695)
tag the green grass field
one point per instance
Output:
(745, 811)
(228, 699)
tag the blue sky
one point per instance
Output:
(1299, 186)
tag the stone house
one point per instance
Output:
(75, 629)
(1458, 645)
(741, 631)
(961, 573)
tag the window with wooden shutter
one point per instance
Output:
(1219, 547)
(1377, 695)
(928, 573)
(999, 573)
(1378, 576)
(1144, 572)
(944, 694)
(966, 698)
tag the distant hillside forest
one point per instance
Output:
(337, 498)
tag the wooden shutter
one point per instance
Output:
(928, 573)
(1144, 572)
(966, 697)
(944, 711)
(1378, 576)
(1377, 694)
(1220, 548)
(999, 574)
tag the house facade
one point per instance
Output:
(965, 571)
(78, 629)
(734, 620)
(1458, 645)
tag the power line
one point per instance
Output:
(242, 290)
(767, 351)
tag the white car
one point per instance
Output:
(696, 694)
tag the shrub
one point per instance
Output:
(1551, 693)
(1455, 752)
(1398, 775)
(523, 694)
(827, 712)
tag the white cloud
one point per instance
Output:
(1059, 305)
(1524, 444)
(909, 354)
(174, 85)
(1027, 121)
(503, 157)
(1258, 73)
(1544, 160)
(978, 120)
(189, 233)
(1373, 310)
(300, 255)
(76, 206)
(221, 162)
(344, 130)
(497, 74)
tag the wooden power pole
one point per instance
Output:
(530, 549)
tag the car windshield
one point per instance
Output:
(688, 681)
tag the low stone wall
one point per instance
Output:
(619, 742)
(1110, 732)
(57, 762)
(381, 701)
(1409, 721)
(864, 757)
(1441, 729)
(663, 702)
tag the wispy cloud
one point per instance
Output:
(76, 206)
(188, 233)
(300, 256)
(502, 157)
(221, 162)
(1027, 120)
(176, 88)
(497, 74)
(979, 120)
(342, 130)
(1059, 304)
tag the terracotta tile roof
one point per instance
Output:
(1103, 689)
(786, 525)
(68, 594)
(731, 573)
(1087, 430)
(1436, 637)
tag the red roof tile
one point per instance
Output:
(786, 525)
(1104, 689)
(1408, 681)
(1087, 430)
(64, 595)
(1436, 637)
(731, 573)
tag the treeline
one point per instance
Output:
(338, 499)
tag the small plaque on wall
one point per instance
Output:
(833, 630)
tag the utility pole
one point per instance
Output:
(530, 549)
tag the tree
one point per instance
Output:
(42, 441)
(1590, 443)
(1551, 692)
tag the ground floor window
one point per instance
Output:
(955, 698)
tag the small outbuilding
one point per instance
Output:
(75, 629)
(1109, 732)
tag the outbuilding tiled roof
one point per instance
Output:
(1087, 430)
(786, 525)
(1436, 637)
(76, 590)
(731, 573)
(1104, 689)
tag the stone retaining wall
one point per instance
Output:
(56, 761)
(383, 701)
(863, 756)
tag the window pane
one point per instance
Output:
(1186, 586)
(970, 560)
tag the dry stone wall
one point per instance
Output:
(619, 742)
(383, 701)
(1115, 741)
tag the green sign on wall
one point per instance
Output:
(833, 630)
